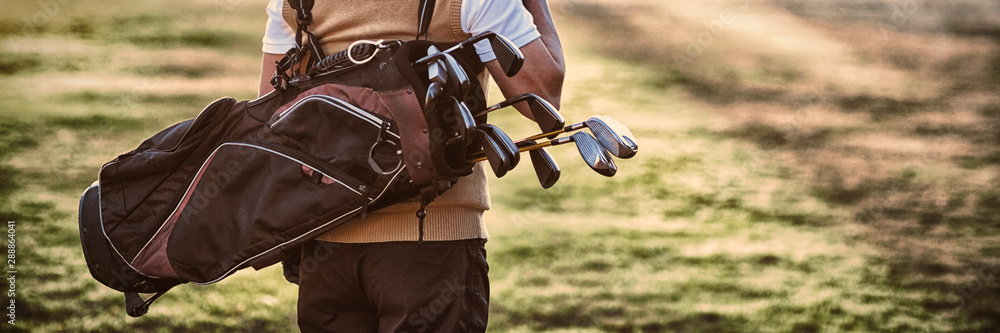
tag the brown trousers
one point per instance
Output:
(394, 287)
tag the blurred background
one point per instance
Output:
(805, 166)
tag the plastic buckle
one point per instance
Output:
(281, 68)
(304, 17)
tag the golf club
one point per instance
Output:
(466, 123)
(497, 156)
(548, 118)
(457, 76)
(503, 140)
(434, 91)
(435, 70)
(508, 55)
(440, 74)
(445, 70)
(546, 168)
(591, 152)
(611, 134)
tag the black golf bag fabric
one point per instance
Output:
(244, 183)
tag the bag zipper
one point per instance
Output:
(322, 167)
(363, 208)
(313, 162)
(343, 105)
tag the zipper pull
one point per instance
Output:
(421, 214)
(364, 205)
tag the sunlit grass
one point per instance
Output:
(795, 176)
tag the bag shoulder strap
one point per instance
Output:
(311, 46)
(425, 14)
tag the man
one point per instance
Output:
(371, 275)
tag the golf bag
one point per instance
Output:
(246, 182)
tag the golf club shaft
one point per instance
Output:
(461, 45)
(569, 128)
(508, 103)
(574, 127)
(481, 157)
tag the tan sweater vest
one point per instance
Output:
(458, 213)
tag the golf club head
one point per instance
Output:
(466, 123)
(546, 168)
(457, 77)
(503, 140)
(496, 155)
(508, 55)
(595, 155)
(548, 118)
(435, 70)
(434, 92)
(613, 135)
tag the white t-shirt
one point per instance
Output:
(505, 17)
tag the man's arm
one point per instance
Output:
(266, 72)
(544, 67)
(542, 18)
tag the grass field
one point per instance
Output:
(804, 166)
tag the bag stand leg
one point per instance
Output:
(427, 194)
(135, 306)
